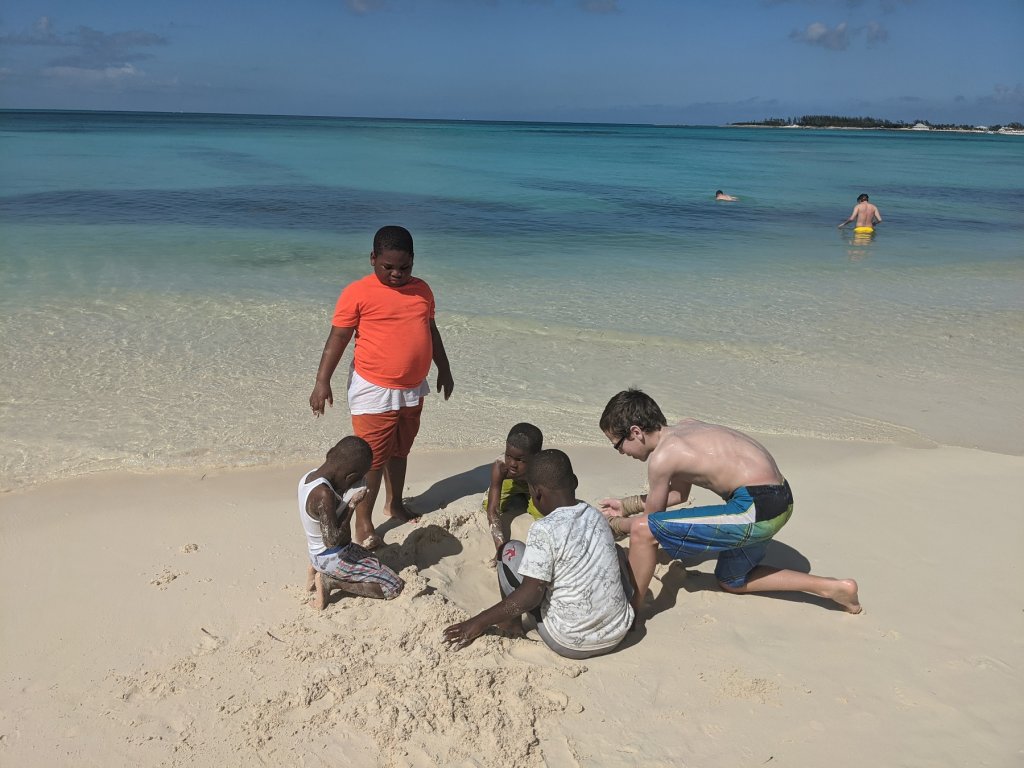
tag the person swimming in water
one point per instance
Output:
(720, 195)
(865, 215)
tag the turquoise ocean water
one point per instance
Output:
(166, 281)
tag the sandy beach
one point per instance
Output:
(185, 195)
(160, 619)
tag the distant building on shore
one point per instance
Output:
(838, 121)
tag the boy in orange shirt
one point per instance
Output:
(391, 315)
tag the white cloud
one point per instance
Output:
(1005, 95)
(81, 75)
(600, 6)
(41, 33)
(365, 6)
(816, 33)
(839, 37)
(88, 48)
(876, 33)
(890, 6)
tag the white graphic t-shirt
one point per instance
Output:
(573, 550)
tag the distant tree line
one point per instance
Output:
(827, 121)
(841, 121)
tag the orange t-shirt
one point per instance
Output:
(393, 343)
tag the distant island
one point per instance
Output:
(837, 121)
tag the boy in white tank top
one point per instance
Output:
(327, 497)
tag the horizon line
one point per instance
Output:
(490, 121)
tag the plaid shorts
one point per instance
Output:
(355, 563)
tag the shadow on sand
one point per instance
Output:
(444, 492)
(681, 575)
(441, 494)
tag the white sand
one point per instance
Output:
(162, 620)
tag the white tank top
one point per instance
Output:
(314, 537)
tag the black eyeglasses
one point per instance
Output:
(618, 445)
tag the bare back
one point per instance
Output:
(865, 214)
(710, 456)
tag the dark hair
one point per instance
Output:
(719, 192)
(525, 437)
(862, 199)
(392, 238)
(353, 451)
(630, 408)
(551, 469)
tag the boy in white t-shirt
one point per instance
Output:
(569, 569)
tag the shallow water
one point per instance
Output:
(166, 281)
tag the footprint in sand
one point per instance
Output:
(164, 578)
(208, 643)
(988, 662)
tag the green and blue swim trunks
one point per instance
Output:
(738, 530)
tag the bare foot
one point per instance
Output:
(372, 542)
(319, 600)
(401, 512)
(361, 536)
(845, 593)
(310, 578)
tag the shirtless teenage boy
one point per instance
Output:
(757, 502)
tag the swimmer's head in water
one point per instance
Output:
(719, 193)
(862, 199)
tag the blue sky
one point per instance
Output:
(646, 61)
